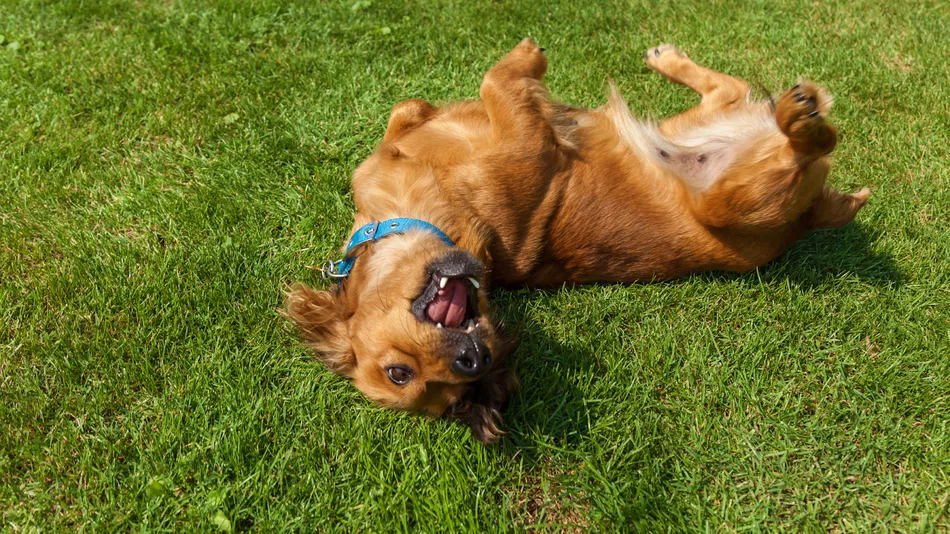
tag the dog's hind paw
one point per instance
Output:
(668, 61)
(801, 115)
(862, 195)
(657, 56)
(808, 99)
(833, 209)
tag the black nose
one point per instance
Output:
(472, 361)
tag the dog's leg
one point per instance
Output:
(834, 210)
(718, 91)
(515, 98)
(516, 173)
(407, 115)
(801, 116)
(780, 179)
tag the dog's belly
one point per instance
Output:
(621, 217)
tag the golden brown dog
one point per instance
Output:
(536, 193)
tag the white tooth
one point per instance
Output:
(474, 282)
(471, 325)
(442, 282)
(438, 325)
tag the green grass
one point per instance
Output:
(167, 167)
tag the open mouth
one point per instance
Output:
(453, 303)
(449, 299)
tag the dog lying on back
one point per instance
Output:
(515, 189)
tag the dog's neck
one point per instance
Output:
(383, 191)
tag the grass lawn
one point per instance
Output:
(167, 167)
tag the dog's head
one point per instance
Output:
(412, 329)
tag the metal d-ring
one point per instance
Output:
(330, 269)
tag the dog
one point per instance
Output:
(515, 189)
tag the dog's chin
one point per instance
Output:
(485, 400)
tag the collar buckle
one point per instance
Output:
(331, 269)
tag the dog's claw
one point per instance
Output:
(800, 115)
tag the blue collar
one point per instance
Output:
(375, 231)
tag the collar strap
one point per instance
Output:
(375, 231)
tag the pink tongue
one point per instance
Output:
(448, 306)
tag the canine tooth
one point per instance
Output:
(474, 282)
(438, 325)
(442, 282)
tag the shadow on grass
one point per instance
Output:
(824, 255)
(551, 410)
(548, 409)
(829, 253)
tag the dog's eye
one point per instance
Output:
(399, 375)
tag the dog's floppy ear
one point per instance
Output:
(321, 318)
(482, 405)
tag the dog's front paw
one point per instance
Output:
(801, 115)
(527, 46)
(525, 61)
